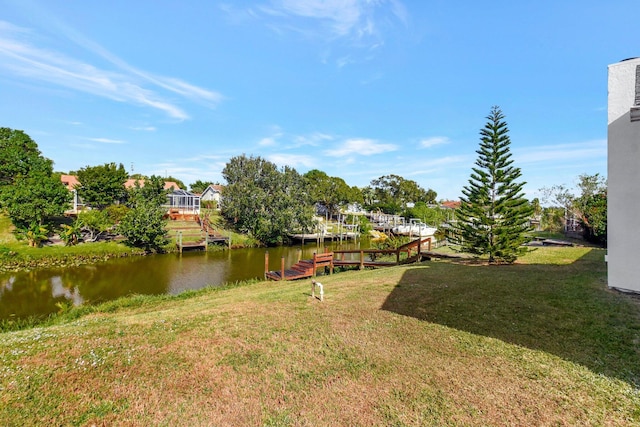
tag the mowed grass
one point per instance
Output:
(542, 342)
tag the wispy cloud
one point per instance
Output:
(596, 149)
(400, 11)
(171, 84)
(271, 140)
(107, 140)
(342, 17)
(314, 139)
(433, 141)
(18, 55)
(344, 61)
(437, 165)
(287, 141)
(363, 147)
(268, 141)
(144, 128)
(364, 24)
(372, 78)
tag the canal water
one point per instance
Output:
(43, 291)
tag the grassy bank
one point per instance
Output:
(538, 343)
(18, 255)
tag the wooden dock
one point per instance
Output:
(213, 236)
(302, 269)
(182, 244)
(310, 237)
(197, 235)
(365, 258)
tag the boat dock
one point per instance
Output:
(199, 235)
(300, 270)
(361, 258)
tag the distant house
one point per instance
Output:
(71, 182)
(353, 208)
(623, 177)
(178, 201)
(168, 185)
(183, 202)
(213, 193)
(450, 204)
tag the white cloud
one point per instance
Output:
(289, 141)
(185, 89)
(313, 139)
(433, 141)
(144, 128)
(363, 23)
(169, 83)
(596, 149)
(272, 139)
(267, 142)
(400, 11)
(20, 57)
(436, 165)
(372, 78)
(344, 61)
(341, 15)
(364, 147)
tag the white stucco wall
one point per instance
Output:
(623, 176)
(209, 195)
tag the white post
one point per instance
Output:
(313, 289)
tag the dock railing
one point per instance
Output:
(338, 258)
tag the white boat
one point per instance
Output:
(415, 228)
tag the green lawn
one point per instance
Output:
(542, 342)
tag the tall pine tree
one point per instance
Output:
(493, 218)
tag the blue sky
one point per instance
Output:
(356, 88)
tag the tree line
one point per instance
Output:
(33, 196)
(260, 198)
(271, 202)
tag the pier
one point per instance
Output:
(197, 235)
(408, 253)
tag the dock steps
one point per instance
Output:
(302, 269)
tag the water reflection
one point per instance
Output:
(40, 292)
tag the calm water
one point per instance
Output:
(37, 292)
